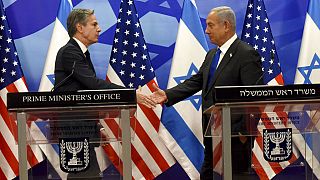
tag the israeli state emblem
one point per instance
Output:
(277, 144)
(74, 154)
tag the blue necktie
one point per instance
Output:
(213, 66)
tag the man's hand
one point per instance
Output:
(145, 100)
(158, 96)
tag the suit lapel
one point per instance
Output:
(225, 60)
(87, 60)
(207, 69)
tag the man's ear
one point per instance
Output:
(79, 27)
(227, 25)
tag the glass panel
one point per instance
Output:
(76, 139)
(278, 138)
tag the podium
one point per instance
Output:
(77, 123)
(277, 125)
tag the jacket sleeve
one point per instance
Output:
(83, 73)
(186, 88)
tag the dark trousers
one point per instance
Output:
(207, 166)
(241, 160)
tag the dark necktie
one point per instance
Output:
(213, 66)
(87, 54)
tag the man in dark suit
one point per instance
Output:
(237, 64)
(74, 58)
(74, 71)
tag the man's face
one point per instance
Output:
(215, 29)
(90, 31)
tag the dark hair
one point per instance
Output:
(77, 16)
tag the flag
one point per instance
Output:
(257, 32)
(11, 80)
(59, 38)
(130, 66)
(184, 135)
(308, 72)
(308, 68)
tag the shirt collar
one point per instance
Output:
(82, 46)
(224, 48)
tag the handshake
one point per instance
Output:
(150, 101)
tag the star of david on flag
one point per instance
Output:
(196, 99)
(308, 72)
(183, 120)
(58, 39)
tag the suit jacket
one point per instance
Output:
(240, 65)
(71, 58)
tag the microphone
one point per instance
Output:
(65, 79)
(264, 72)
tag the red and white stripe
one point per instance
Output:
(216, 133)
(150, 157)
(265, 169)
(9, 163)
(278, 80)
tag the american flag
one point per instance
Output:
(11, 80)
(130, 66)
(257, 32)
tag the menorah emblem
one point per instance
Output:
(277, 144)
(277, 138)
(74, 154)
(74, 148)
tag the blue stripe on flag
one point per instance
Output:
(64, 10)
(43, 126)
(313, 11)
(312, 140)
(193, 22)
(183, 135)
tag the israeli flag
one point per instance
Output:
(51, 151)
(308, 72)
(308, 69)
(183, 121)
(59, 38)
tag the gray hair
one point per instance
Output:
(225, 13)
(77, 16)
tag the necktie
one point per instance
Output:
(213, 66)
(87, 54)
